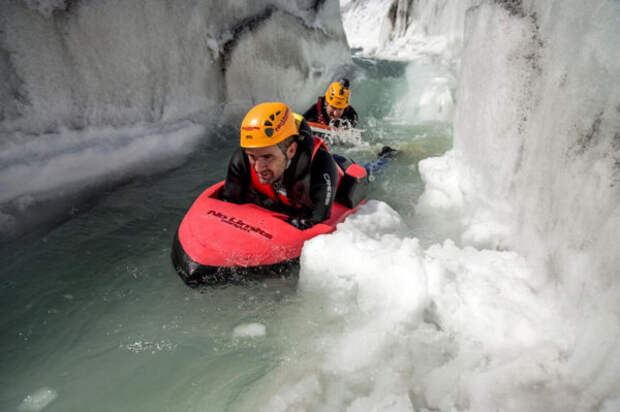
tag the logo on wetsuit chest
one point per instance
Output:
(239, 224)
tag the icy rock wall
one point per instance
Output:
(95, 91)
(538, 120)
(536, 161)
(115, 62)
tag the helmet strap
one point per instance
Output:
(284, 151)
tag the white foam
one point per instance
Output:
(250, 330)
(149, 346)
(429, 96)
(454, 190)
(342, 136)
(38, 400)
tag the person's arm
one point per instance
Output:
(237, 178)
(311, 114)
(323, 183)
(351, 116)
(305, 132)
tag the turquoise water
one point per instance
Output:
(93, 311)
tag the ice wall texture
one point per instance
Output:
(538, 120)
(535, 169)
(536, 162)
(94, 92)
(114, 62)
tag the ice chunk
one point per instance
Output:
(38, 400)
(250, 330)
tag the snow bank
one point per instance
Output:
(406, 328)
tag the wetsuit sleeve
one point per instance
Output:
(237, 178)
(305, 132)
(311, 114)
(323, 182)
(351, 115)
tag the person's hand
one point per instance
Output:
(300, 223)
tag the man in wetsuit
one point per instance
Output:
(279, 166)
(333, 108)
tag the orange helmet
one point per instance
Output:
(267, 124)
(338, 93)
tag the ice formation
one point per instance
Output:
(84, 80)
(521, 311)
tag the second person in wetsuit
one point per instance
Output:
(333, 108)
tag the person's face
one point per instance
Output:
(269, 162)
(333, 112)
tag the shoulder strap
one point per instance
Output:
(318, 143)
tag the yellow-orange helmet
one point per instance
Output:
(337, 94)
(267, 124)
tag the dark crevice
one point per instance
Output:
(396, 13)
(616, 141)
(247, 25)
(317, 5)
(252, 23)
(588, 140)
(514, 7)
(615, 156)
(393, 12)
(532, 57)
(14, 95)
(68, 9)
(13, 86)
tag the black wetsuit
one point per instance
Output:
(310, 183)
(313, 114)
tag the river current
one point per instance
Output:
(95, 318)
